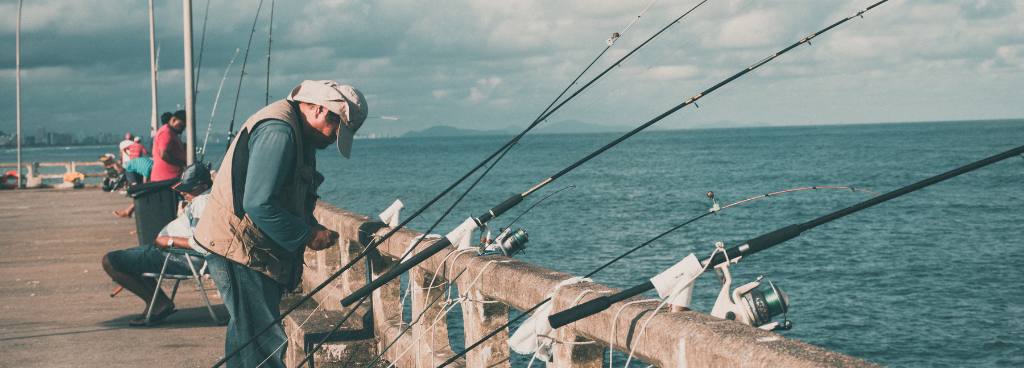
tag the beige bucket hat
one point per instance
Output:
(344, 100)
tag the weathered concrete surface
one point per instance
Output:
(676, 339)
(54, 305)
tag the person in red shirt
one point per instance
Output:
(136, 149)
(168, 151)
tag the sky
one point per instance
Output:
(496, 64)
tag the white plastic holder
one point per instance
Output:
(414, 241)
(526, 339)
(390, 215)
(460, 237)
(675, 284)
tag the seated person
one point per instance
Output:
(126, 266)
(135, 171)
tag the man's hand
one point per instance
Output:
(322, 238)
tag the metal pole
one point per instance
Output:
(153, 121)
(190, 131)
(17, 82)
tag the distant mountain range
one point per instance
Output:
(561, 127)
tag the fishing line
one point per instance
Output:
(548, 111)
(518, 198)
(501, 151)
(714, 210)
(615, 324)
(535, 204)
(283, 344)
(213, 110)
(241, 76)
(408, 327)
(427, 307)
(514, 200)
(778, 236)
(404, 255)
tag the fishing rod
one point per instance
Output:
(406, 327)
(213, 110)
(337, 326)
(507, 243)
(544, 115)
(548, 111)
(770, 239)
(270, 42)
(515, 199)
(241, 76)
(202, 46)
(715, 209)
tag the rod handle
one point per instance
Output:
(595, 306)
(500, 208)
(579, 312)
(396, 271)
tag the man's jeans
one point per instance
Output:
(253, 301)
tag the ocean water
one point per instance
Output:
(932, 279)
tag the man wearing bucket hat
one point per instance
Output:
(259, 219)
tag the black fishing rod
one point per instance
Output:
(778, 236)
(714, 210)
(241, 76)
(515, 199)
(543, 116)
(548, 111)
(337, 326)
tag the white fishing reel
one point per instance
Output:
(507, 243)
(754, 303)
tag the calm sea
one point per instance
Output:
(932, 279)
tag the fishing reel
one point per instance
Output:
(507, 243)
(755, 303)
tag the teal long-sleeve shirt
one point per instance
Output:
(271, 162)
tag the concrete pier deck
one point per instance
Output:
(55, 309)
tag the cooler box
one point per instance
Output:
(155, 206)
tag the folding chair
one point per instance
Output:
(196, 275)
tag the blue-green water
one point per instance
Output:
(930, 279)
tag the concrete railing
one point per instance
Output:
(37, 173)
(493, 284)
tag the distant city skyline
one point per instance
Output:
(491, 65)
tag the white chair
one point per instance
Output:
(196, 274)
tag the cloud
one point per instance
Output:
(494, 60)
(671, 72)
(483, 89)
(756, 28)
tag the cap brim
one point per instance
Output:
(345, 135)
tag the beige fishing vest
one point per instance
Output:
(225, 229)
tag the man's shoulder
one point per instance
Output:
(272, 126)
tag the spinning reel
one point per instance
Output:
(507, 243)
(754, 303)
